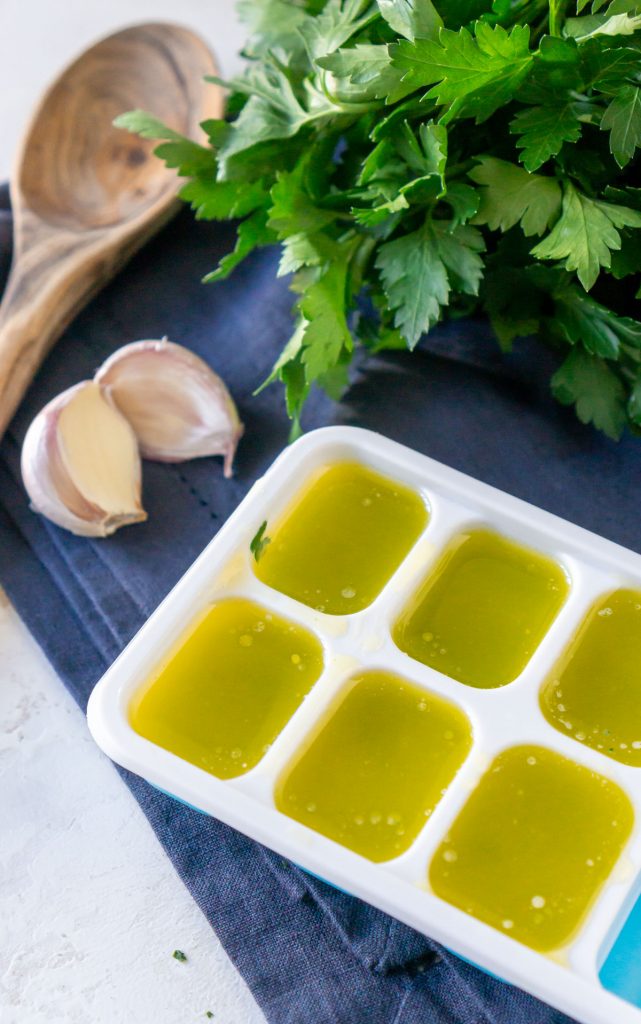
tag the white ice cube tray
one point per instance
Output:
(500, 718)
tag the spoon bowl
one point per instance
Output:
(87, 195)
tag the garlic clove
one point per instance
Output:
(178, 407)
(80, 464)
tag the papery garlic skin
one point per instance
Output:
(80, 464)
(178, 407)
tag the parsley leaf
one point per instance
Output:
(326, 334)
(414, 19)
(623, 120)
(627, 260)
(273, 111)
(176, 150)
(366, 66)
(222, 200)
(543, 130)
(604, 66)
(585, 234)
(334, 25)
(253, 233)
(512, 303)
(594, 389)
(510, 195)
(257, 545)
(477, 73)
(146, 125)
(305, 250)
(594, 25)
(419, 269)
(415, 282)
(634, 403)
(293, 209)
(271, 23)
(288, 368)
(598, 329)
(460, 251)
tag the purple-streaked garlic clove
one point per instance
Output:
(178, 407)
(81, 465)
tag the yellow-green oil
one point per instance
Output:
(533, 845)
(342, 538)
(379, 765)
(481, 613)
(229, 686)
(594, 693)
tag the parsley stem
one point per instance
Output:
(341, 105)
(557, 15)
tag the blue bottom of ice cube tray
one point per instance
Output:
(484, 970)
(621, 972)
(177, 798)
(321, 879)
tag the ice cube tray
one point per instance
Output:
(501, 718)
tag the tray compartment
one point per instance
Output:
(594, 692)
(377, 766)
(228, 688)
(341, 538)
(533, 846)
(483, 610)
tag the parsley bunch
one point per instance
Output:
(416, 162)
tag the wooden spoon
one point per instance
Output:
(86, 195)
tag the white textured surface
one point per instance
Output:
(90, 907)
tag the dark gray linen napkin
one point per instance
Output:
(310, 954)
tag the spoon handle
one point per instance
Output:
(38, 304)
(48, 285)
(28, 328)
